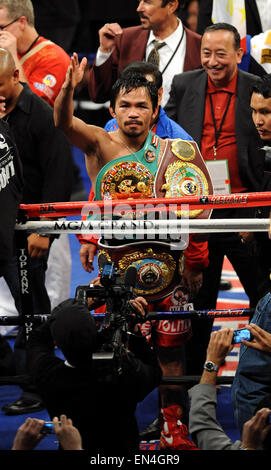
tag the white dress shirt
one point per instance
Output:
(176, 65)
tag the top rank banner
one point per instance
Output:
(232, 12)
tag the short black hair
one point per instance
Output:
(144, 68)
(73, 329)
(225, 27)
(263, 86)
(132, 81)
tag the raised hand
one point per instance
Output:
(107, 36)
(75, 72)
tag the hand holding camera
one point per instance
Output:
(256, 429)
(259, 339)
(220, 345)
(240, 335)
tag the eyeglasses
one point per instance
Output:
(6, 25)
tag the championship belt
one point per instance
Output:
(182, 172)
(159, 269)
(127, 179)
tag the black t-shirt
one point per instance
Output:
(11, 184)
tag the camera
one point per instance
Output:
(115, 292)
(48, 428)
(239, 335)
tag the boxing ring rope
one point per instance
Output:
(125, 227)
(145, 227)
(62, 209)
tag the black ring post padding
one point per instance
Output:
(24, 280)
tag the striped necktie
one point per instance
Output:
(154, 57)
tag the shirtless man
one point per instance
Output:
(135, 111)
(134, 103)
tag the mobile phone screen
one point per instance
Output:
(239, 335)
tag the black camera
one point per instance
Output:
(115, 292)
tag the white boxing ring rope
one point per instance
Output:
(147, 227)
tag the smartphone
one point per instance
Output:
(48, 428)
(242, 333)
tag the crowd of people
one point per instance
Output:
(189, 117)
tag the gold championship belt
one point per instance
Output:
(159, 269)
(182, 172)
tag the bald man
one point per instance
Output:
(46, 156)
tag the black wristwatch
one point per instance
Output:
(211, 366)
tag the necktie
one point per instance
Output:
(154, 57)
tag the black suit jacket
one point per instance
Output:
(186, 105)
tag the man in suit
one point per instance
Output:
(213, 105)
(258, 20)
(119, 47)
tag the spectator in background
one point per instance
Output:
(11, 190)
(220, 79)
(258, 23)
(203, 425)
(252, 379)
(41, 63)
(179, 47)
(221, 138)
(30, 434)
(260, 104)
(47, 167)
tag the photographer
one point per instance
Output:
(203, 425)
(30, 433)
(102, 410)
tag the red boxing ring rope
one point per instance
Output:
(62, 209)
